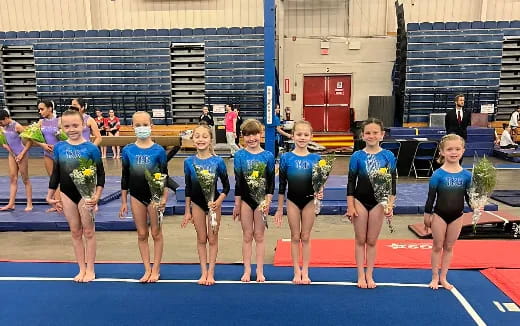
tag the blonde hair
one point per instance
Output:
(302, 122)
(444, 140)
(205, 126)
(251, 127)
(141, 113)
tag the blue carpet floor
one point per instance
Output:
(118, 302)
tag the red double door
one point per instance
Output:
(326, 102)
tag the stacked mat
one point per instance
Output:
(509, 197)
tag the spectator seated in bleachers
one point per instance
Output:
(506, 141)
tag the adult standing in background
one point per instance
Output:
(112, 127)
(90, 127)
(207, 118)
(458, 119)
(238, 126)
(230, 120)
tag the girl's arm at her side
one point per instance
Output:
(95, 131)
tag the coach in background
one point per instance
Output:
(458, 119)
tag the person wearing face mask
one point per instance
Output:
(136, 158)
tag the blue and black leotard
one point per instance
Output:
(135, 161)
(361, 163)
(297, 171)
(66, 159)
(450, 190)
(244, 161)
(215, 165)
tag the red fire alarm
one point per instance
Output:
(324, 51)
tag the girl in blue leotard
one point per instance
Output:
(296, 171)
(445, 204)
(362, 208)
(76, 209)
(196, 209)
(137, 157)
(18, 160)
(246, 208)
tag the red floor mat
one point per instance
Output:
(469, 254)
(507, 280)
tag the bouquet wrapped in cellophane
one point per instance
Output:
(156, 182)
(256, 183)
(320, 173)
(61, 135)
(33, 132)
(3, 140)
(381, 181)
(483, 181)
(207, 184)
(84, 178)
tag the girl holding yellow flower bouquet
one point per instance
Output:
(296, 171)
(201, 172)
(254, 187)
(138, 159)
(68, 156)
(365, 207)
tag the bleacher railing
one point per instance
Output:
(442, 101)
(124, 106)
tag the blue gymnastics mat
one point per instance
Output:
(43, 294)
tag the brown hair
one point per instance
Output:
(370, 121)
(251, 127)
(71, 112)
(457, 97)
(205, 126)
(302, 122)
(443, 141)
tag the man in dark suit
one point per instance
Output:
(458, 120)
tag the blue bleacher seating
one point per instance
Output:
(259, 30)
(198, 31)
(150, 32)
(10, 34)
(234, 31)
(490, 24)
(477, 25)
(186, 32)
(451, 25)
(425, 26)
(503, 24)
(163, 32)
(222, 31)
(175, 32)
(34, 34)
(515, 24)
(464, 25)
(246, 30)
(438, 26)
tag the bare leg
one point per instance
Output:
(375, 222)
(49, 165)
(199, 220)
(258, 234)
(439, 233)
(360, 229)
(24, 171)
(89, 233)
(70, 209)
(213, 249)
(139, 213)
(13, 183)
(158, 244)
(247, 220)
(294, 218)
(308, 218)
(452, 234)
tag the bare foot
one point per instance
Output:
(28, 208)
(260, 277)
(297, 279)
(361, 282)
(446, 284)
(79, 278)
(371, 284)
(8, 208)
(145, 277)
(305, 278)
(154, 277)
(50, 210)
(210, 280)
(89, 276)
(246, 277)
(434, 284)
(202, 279)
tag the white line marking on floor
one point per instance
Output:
(511, 306)
(500, 217)
(468, 307)
(499, 306)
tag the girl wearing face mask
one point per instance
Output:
(77, 210)
(90, 127)
(143, 155)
